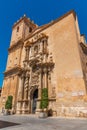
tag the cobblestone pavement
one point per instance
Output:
(30, 122)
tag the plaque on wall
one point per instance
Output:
(74, 94)
(80, 93)
(60, 95)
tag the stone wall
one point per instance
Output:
(10, 87)
(67, 77)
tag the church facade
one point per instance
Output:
(52, 56)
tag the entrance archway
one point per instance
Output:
(34, 100)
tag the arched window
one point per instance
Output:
(18, 29)
(30, 29)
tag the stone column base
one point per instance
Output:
(37, 111)
(54, 113)
(18, 112)
(25, 111)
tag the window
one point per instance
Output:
(30, 29)
(18, 29)
(15, 61)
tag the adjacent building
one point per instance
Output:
(0, 92)
(52, 56)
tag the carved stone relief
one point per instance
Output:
(37, 68)
(34, 78)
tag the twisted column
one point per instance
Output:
(40, 83)
(26, 85)
(27, 53)
(45, 77)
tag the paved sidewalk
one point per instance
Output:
(30, 122)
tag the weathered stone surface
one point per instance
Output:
(52, 56)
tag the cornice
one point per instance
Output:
(15, 45)
(16, 69)
(43, 27)
(37, 38)
(84, 47)
(84, 44)
(26, 20)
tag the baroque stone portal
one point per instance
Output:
(38, 65)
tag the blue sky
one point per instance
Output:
(41, 11)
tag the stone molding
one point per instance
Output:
(37, 37)
(13, 70)
(43, 27)
(16, 45)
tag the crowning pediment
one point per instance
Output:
(37, 37)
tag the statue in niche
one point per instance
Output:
(40, 59)
(35, 75)
(36, 50)
(34, 78)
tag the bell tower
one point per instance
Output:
(20, 31)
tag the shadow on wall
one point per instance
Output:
(50, 112)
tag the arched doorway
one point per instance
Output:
(34, 100)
